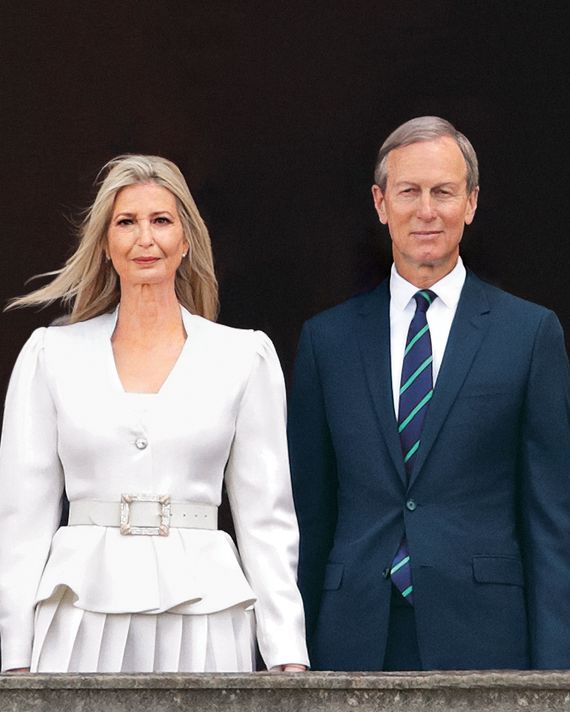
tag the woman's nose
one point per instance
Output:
(145, 236)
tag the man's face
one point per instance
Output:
(426, 205)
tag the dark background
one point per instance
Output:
(274, 112)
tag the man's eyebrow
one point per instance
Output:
(443, 184)
(450, 183)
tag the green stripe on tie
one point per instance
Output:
(412, 450)
(399, 565)
(426, 296)
(416, 373)
(419, 406)
(407, 591)
(419, 335)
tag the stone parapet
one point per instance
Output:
(498, 691)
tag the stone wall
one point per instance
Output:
(278, 692)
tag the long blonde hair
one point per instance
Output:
(89, 282)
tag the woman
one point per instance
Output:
(138, 407)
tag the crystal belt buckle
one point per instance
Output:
(162, 529)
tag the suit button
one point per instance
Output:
(386, 572)
(141, 443)
(411, 505)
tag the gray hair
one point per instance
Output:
(426, 128)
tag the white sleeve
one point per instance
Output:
(258, 483)
(31, 486)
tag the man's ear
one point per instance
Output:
(379, 204)
(471, 206)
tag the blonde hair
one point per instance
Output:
(89, 282)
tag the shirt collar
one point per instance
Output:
(448, 289)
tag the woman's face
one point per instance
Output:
(145, 240)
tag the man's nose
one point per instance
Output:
(426, 210)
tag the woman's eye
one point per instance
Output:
(125, 221)
(162, 220)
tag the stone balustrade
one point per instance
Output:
(499, 691)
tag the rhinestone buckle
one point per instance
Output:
(162, 529)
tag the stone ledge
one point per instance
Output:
(528, 679)
(475, 691)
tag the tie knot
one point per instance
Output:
(424, 298)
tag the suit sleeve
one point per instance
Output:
(313, 468)
(31, 486)
(545, 461)
(258, 483)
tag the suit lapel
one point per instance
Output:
(467, 332)
(373, 329)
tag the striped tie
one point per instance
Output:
(416, 391)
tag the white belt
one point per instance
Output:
(143, 514)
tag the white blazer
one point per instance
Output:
(69, 424)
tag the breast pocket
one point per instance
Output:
(333, 576)
(498, 569)
(492, 412)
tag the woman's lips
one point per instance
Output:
(145, 260)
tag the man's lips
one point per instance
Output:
(426, 233)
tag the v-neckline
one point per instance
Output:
(186, 317)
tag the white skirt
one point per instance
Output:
(69, 639)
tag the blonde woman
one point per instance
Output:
(139, 407)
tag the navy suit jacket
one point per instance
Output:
(487, 509)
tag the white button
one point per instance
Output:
(141, 443)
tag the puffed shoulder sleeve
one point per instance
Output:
(31, 485)
(259, 490)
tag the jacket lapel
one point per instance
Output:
(373, 330)
(467, 332)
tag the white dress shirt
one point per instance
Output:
(439, 317)
(220, 416)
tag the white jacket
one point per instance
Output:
(220, 415)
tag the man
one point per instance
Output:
(430, 447)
